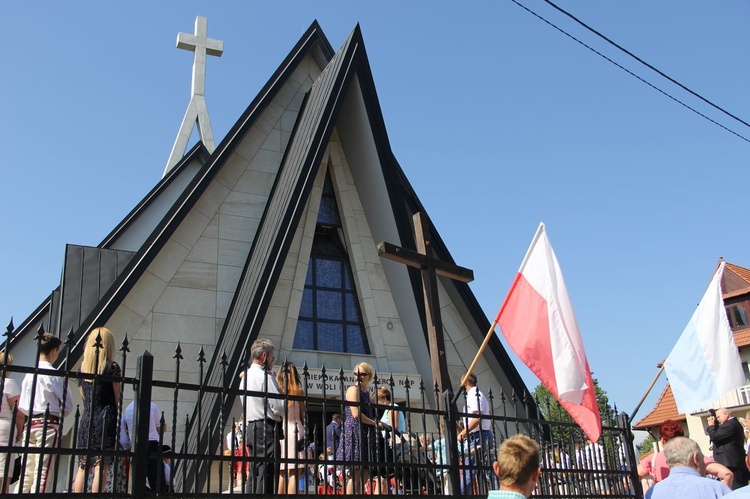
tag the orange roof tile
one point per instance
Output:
(742, 338)
(739, 275)
(665, 408)
(742, 272)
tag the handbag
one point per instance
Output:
(16, 470)
(301, 445)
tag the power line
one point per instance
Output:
(647, 64)
(663, 92)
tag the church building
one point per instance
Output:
(274, 233)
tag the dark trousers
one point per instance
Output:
(155, 468)
(740, 476)
(262, 439)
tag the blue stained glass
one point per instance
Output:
(328, 273)
(330, 337)
(355, 338)
(306, 307)
(303, 337)
(329, 317)
(328, 213)
(352, 308)
(328, 305)
(328, 186)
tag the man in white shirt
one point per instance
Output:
(479, 433)
(263, 415)
(593, 455)
(154, 467)
(42, 428)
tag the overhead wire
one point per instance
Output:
(661, 73)
(631, 73)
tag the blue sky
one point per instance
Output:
(499, 121)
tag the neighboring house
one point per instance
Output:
(735, 286)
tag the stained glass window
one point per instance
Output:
(328, 213)
(330, 318)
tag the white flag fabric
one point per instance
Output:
(538, 322)
(705, 363)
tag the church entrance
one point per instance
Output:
(319, 415)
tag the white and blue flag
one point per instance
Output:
(705, 364)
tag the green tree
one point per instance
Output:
(553, 411)
(561, 428)
(645, 446)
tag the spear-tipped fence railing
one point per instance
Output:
(423, 457)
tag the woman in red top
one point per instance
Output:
(656, 465)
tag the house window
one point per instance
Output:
(740, 316)
(330, 318)
(737, 316)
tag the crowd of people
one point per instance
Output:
(680, 469)
(32, 417)
(268, 448)
(369, 441)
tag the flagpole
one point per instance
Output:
(490, 332)
(539, 231)
(651, 386)
(486, 341)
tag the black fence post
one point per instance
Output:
(632, 461)
(141, 416)
(451, 442)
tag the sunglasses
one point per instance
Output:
(362, 375)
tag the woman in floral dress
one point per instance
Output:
(358, 441)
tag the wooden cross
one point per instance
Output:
(430, 268)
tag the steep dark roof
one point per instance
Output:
(197, 152)
(309, 139)
(313, 41)
(87, 274)
(51, 314)
(404, 190)
(278, 224)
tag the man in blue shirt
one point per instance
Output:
(741, 493)
(687, 471)
(333, 433)
(517, 468)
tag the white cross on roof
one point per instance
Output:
(201, 45)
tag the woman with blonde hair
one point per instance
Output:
(11, 394)
(289, 383)
(358, 441)
(100, 403)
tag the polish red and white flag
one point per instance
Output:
(538, 322)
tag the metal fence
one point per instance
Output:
(208, 450)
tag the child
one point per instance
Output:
(43, 430)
